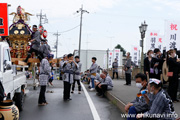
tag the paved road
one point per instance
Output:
(57, 109)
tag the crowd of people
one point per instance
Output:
(152, 101)
(153, 69)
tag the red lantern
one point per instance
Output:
(28, 48)
(41, 29)
(45, 34)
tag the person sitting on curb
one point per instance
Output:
(104, 85)
(139, 105)
(97, 80)
(161, 107)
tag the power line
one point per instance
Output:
(66, 30)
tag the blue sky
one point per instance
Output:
(109, 22)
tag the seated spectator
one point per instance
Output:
(97, 79)
(104, 85)
(162, 105)
(84, 77)
(139, 105)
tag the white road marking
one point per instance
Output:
(91, 104)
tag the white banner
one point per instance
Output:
(105, 61)
(160, 43)
(110, 59)
(172, 34)
(117, 56)
(135, 54)
(152, 40)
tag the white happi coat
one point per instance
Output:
(77, 72)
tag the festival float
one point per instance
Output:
(20, 35)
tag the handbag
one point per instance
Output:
(170, 74)
(151, 70)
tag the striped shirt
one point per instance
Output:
(162, 107)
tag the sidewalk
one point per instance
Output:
(122, 94)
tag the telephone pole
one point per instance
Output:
(41, 17)
(56, 34)
(81, 11)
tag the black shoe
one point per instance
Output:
(125, 84)
(176, 100)
(102, 96)
(98, 94)
(69, 99)
(129, 84)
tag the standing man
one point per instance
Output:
(69, 67)
(61, 66)
(115, 68)
(127, 69)
(158, 64)
(48, 46)
(35, 44)
(93, 71)
(45, 73)
(44, 48)
(77, 75)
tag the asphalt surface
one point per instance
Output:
(57, 109)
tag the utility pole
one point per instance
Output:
(57, 35)
(108, 59)
(41, 17)
(81, 11)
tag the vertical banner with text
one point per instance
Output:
(4, 31)
(105, 61)
(135, 54)
(117, 55)
(152, 40)
(110, 59)
(172, 34)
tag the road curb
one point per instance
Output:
(116, 101)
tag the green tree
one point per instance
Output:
(118, 46)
